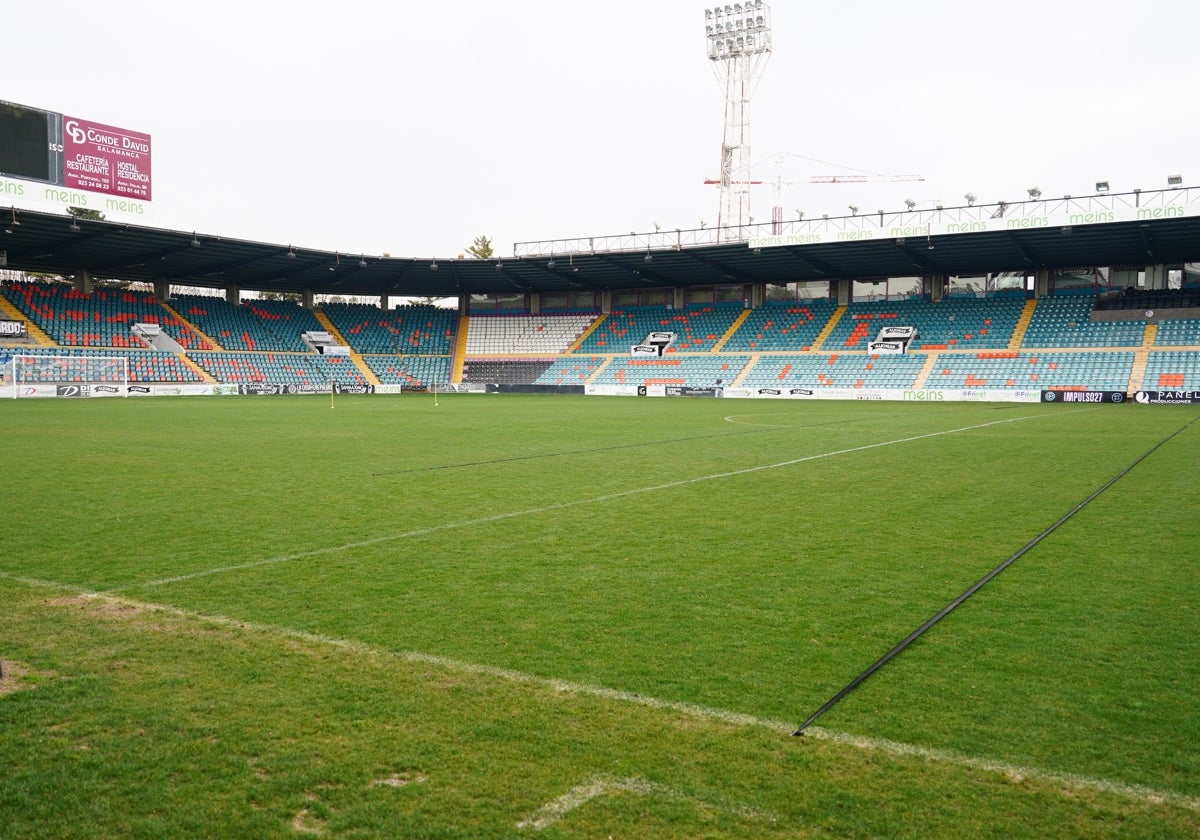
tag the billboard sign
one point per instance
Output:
(52, 161)
(103, 159)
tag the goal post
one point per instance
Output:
(36, 375)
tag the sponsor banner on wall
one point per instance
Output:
(394, 388)
(923, 395)
(1083, 396)
(353, 389)
(612, 390)
(277, 389)
(12, 329)
(1167, 397)
(685, 391)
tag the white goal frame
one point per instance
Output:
(36, 375)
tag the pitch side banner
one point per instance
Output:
(1083, 396)
(1167, 397)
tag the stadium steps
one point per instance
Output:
(733, 328)
(460, 350)
(1141, 358)
(204, 375)
(1150, 336)
(39, 335)
(1026, 316)
(829, 327)
(1137, 373)
(355, 358)
(328, 326)
(595, 325)
(364, 369)
(599, 371)
(753, 363)
(926, 369)
(204, 338)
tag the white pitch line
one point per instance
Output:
(1137, 793)
(598, 785)
(608, 497)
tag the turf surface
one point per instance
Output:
(263, 616)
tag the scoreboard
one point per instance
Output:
(64, 160)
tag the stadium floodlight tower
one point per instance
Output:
(739, 46)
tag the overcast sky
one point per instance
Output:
(411, 128)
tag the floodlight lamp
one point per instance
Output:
(551, 263)
(1174, 180)
(15, 221)
(433, 266)
(971, 199)
(362, 261)
(1102, 186)
(75, 226)
(909, 203)
(647, 258)
(800, 215)
(853, 210)
(195, 241)
(499, 265)
(291, 255)
(1034, 192)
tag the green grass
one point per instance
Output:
(234, 617)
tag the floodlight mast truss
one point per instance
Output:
(739, 46)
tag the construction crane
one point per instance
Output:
(858, 176)
(778, 183)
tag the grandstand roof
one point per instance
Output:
(52, 243)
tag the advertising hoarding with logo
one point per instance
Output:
(52, 161)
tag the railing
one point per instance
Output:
(1040, 212)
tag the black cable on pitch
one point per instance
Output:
(975, 587)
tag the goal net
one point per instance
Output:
(69, 376)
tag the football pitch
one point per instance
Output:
(531, 616)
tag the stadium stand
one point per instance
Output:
(835, 370)
(524, 335)
(780, 326)
(964, 342)
(101, 319)
(413, 329)
(697, 327)
(1048, 370)
(570, 370)
(145, 366)
(309, 371)
(1172, 370)
(695, 371)
(410, 371)
(240, 326)
(1065, 321)
(961, 323)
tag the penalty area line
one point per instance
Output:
(608, 497)
(1138, 793)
